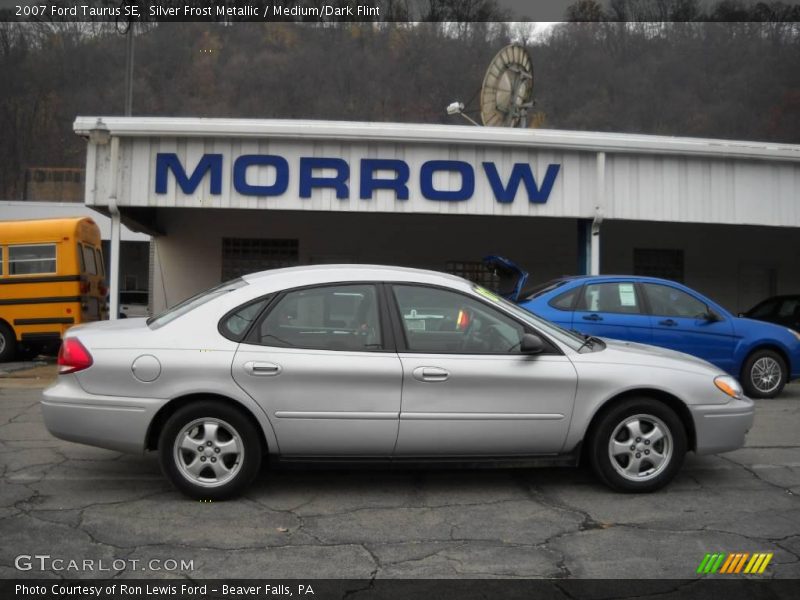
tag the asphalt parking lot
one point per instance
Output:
(74, 502)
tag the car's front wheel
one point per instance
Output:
(209, 450)
(637, 445)
(764, 374)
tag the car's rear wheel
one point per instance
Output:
(8, 343)
(764, 374)
(637, 445)
(210, 450)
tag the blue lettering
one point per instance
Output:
(262, 160)
(369, 183)
(211, 165)
(467, 180)
(521, 172)
(170, 162)
(308, 180)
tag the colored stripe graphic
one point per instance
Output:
(765, 563)
(735, 562)
(718, 562)
(703, 563)
(741, 562)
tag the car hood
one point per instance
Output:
(512, 276)
(763, 328)
(633, 353)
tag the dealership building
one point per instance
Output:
(224, 197)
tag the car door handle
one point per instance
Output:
(668, 323)
(431, 374)
(262, 368)
(592, 317)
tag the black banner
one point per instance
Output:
(333, 11)
(732, 588)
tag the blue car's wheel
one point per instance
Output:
(764, 374)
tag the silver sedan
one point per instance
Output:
(372, 363)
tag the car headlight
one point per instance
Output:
(729, 386)
(794, 333)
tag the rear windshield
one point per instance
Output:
(88, 261)
(190, 304)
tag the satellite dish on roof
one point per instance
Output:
(507, 90)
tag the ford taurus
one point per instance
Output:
(371, 363)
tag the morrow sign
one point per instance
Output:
(334, 173)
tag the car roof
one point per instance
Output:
(358, 272)
(643, 278)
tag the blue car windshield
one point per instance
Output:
(571, 339)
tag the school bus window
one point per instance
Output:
(31, 259)
(90, 266)
(101, 267)
(80, 256)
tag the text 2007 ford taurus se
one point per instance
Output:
(370, 363)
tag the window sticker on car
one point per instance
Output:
(627, 297)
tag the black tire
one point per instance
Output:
(8, 343)
(206, 484)
(649, 476)
(757, 369)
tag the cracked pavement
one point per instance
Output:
(76, 502)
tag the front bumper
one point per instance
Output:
(722, 427)
(113, 422)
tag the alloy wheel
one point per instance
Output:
(766, 374)
(640, 447)
(208, 452)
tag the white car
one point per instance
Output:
(371, 363)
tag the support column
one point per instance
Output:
(116, 227)
(594, 252)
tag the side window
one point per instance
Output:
(616, 297)
(236, 324)
(89, 264)
(31, 259)
(335, 317)
(789, 308)
(565, 301)
(667, 301)
(441, 321)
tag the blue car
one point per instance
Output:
(648, 310)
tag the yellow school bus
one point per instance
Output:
(52, 276)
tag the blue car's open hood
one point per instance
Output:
(512, 276)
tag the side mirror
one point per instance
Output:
(531, 344)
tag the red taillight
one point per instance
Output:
(102, 289)
(84, 287)
(73, 356)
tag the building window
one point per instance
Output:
(475, 271)
(241, 256)
(31, 259)
(667, 264)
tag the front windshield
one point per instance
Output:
(571, 339)
(193, 302)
